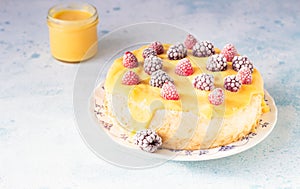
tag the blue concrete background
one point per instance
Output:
(39, 143)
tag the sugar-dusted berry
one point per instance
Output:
(204, 82)
(130, 78)
(149, 51)
(159, 77)
(216, 97)
(177, 52)
(169, 92)
(152, 63)
(203, 49)
(190, 41)
(245, 76)
(147, 140)
(184, 67)
(232, 83)
(216, 62)
(239, 62)
(129, 60)
(157, 46)
(229, 51)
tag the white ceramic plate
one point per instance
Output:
(114, 149)
(121, 136)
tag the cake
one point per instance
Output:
(189, 96)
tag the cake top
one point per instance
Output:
(190, 75)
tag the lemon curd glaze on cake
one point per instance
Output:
(191, 122)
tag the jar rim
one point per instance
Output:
(72, 6)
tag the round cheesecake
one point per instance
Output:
(191, 122)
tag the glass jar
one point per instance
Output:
(73, 31)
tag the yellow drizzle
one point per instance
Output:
(144, 100)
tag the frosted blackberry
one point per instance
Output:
(148, 140)
(232, 83)
(152, 63)
(177, 52)
(216, 63)
(239, 62)
(159, 77)
(204, 82)
(203, 49)
(149, 51)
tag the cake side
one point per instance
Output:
(186, 130)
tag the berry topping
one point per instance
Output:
(232, 83)
(169, 92)
(159, 77)
(244, 75)
(190, 41)
(216, 97)
(229, 51)
(157, 46)
(216, 63)
(184, 67)
(239, 62)
(177, 52)
(130, 78)
(152, 63)
(129, 60)
(148, 140)
(203, 49)
(204, 82)
(149, 51)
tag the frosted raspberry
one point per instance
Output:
(244, 74)
(204, 82)
(169, 92)
(159, 77)
(239, 62)
(184, 67)
(149, 51)
(203, 49)
(216, 63)
(157, 46)
(177, 52)
(130, 78)
(216, 97)
(232, 83)
(152, 63)
(190, 41)
(129, 60)
(229, 51)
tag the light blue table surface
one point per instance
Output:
(40, 146)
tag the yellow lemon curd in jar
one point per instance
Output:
(190, 99)
(72, 15)
(73, 34)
